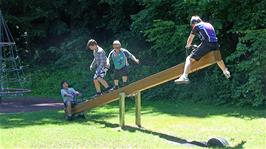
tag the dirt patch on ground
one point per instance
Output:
(29, 104)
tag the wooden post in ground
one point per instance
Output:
(138, 108)
(122, 109)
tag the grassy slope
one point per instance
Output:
(46, 82)
(165, 123)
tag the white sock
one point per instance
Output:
(225, 70)
(185, 75)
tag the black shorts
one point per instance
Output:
(121, 72)
(203, 49)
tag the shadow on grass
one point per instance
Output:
(167, 137)
(238, 146)
(45, 118)
(111, 110)
(171, 139)
(93, 117)
(188, 108)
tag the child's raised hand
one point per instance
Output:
(188, 46)
(137, 61)
(107, 64)
(78, 93)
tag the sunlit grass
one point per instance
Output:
(166, 124)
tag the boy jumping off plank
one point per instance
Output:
(209, 42)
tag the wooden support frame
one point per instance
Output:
(122, 97)
(138, 109)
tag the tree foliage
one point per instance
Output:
(240, 26)
(157, 30)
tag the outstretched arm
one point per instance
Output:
(92, 64)
(131, 56)
(75, 92)
(108, 59)
(189, 40)
(65, 94)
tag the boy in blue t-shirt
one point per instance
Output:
(119, 57)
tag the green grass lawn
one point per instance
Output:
(166, 124)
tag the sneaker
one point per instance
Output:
(108, 89)
(124, 84)
(115, 87)
(69, 118)
(96, 95)
(182, 80)
(227, 73)
(82, 115)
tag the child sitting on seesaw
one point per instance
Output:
(69, 96)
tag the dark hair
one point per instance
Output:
(61, 85)
(91, 42)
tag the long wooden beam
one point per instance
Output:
(149, 82)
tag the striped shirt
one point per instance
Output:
(99, 60)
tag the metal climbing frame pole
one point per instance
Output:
(1, 56)
(122, 97)
(138, 108)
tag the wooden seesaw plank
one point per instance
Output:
(149, 82)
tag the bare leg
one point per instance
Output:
(183, 79)
(221, 65)
(189, 60)
(97, 86)
(116, 82)
(224, 69)
(68, 108)
(103, 82)
(124, 78)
